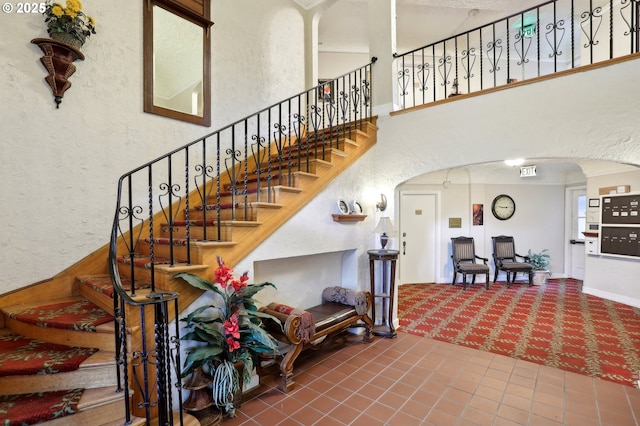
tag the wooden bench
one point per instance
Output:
(340, 309)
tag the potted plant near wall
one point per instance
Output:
(228, 336)
(540, 262)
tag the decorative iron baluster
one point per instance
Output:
(186, 205)
(519, 40)
(175, 358)
(555, 28)
(403, 84)
(588, 16)
(169, 192)
(245, 171)
(366, 93)
(259, 153)
(632, 23)
(130, 214)
(355, 101)
(278, 135)
(298, 131)
(423, 76)
(573, 36)
(494, 53)
(481, 62)
(205, 172)
(218, 189)
(508, 52)
(233, 157)
(610, 29)
(343, 102)
(444, 71)
(538, 37)
(152, 252)
(470, 57)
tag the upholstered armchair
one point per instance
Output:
(463, 256)
(505, 259)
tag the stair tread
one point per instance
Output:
(32, 408)
(102, 283)
(144, 261)
(68, 313)
(20, 356)
(239, 206)
(251, 204)
(99, 406)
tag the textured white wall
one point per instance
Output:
(61, 166)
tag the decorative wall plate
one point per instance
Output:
(343, 207)
(356, 207)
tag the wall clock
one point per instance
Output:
(503, 207)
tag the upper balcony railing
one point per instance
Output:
(554, 36)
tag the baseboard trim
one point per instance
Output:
(612, 296)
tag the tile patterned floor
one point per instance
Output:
(416, 381)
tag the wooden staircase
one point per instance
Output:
(243, 227)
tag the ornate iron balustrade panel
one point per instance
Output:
(188, 194)
(554, 36)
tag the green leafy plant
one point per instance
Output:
(227, 332)
(69, 20)
(540, 261)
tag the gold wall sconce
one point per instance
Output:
(58, 60)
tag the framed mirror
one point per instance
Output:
(177, 56)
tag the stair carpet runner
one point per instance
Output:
(21, 356)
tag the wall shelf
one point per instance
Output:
(58, 60)
(349, 217)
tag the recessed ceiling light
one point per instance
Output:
(515, 162)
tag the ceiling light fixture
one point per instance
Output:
(514, 162)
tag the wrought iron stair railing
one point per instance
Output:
(212, 177)
(554, 36)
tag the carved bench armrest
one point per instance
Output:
(290, 325)
(359, 299)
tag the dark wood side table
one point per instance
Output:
(387, 286)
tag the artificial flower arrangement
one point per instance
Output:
(228, 332)
(69, 20)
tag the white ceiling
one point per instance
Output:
(550, 171)
(344, 25)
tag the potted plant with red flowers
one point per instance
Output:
(228, 333)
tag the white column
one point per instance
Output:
(382, 45)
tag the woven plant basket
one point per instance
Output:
(67, 38)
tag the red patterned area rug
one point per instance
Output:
(555, 325)
(29, 409)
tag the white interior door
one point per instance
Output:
(418, 237)
(577, 216)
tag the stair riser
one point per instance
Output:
(104, 341)
(240, 213)
(283, 175)
(87, 378)
(143, 274)
(198, 232)
(163, 250)
(229, 199)
(101, 414)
